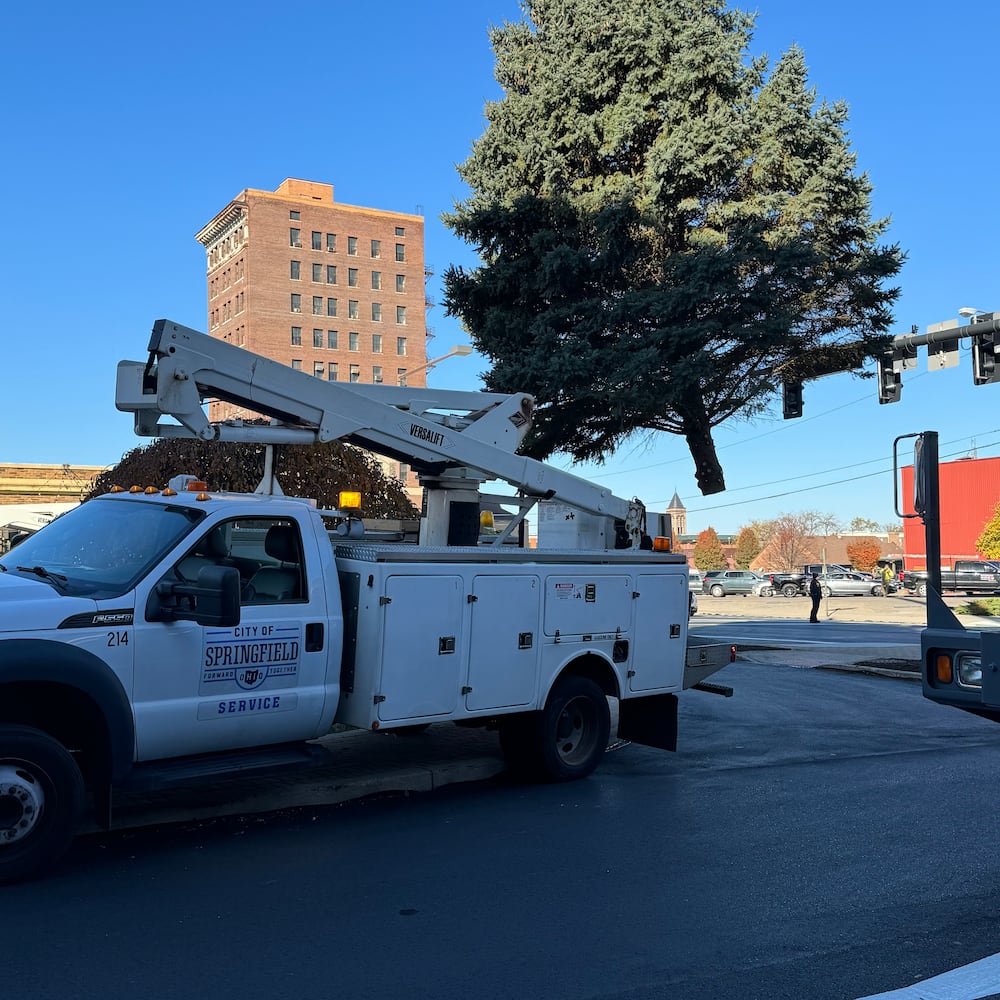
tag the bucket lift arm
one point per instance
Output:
(439, 432)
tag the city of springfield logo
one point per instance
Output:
(248, 655)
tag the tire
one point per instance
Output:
(878, 592)
(921, 590)
(563, 742)
(718, 590)
(789, 590)
(827, 592)
(41, 801)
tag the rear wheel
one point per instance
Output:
(41, 801)
(921, 590)
(564, 741)
(789, 590)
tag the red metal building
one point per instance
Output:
(970, 491)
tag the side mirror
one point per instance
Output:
(213, 600)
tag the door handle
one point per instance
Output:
(314, 637)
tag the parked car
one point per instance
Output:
(848, 585)
(695, 577)
(692, 603)
(763, 588)
(720, 582)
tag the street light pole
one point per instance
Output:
(458, 351)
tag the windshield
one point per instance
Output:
(101, 548)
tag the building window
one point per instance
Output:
(293, 215)
(317, 271)
(317, 338)
(296, 365)
(317, 241)
(376, 312)
(294, 237)
(400, 282)
(296, 302)
(376, 248)
(376, 280)
(331, 242)
(331, 339)
(401, 315)
(353, 341)
(331, 307)
(376, 373)
(317, 305)
(400, 252)
(355, 373)
(318, 369)
(376, 343)
(400, 231)
(352, 308)
(331, 371)
(352, 277)
(331, 274)
(401, 346)
(294, 270)
(352, 246)
(401, 376)
(296, 336)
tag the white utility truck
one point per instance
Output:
(156, 632)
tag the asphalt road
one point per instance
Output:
(818, 835)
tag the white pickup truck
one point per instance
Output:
(155, 630)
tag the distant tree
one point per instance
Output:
(318, 471)
(790, 546)
(816, 523)
(862, 525)
(708, 552)
(864, 554)
(988, 543)
(763, 529)
(747, 548)
(668, 228)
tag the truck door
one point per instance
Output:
(423, 651)
(504, 643)
(659, 648)
(200, 689)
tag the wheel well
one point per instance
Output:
(64, 713)
(596, 669)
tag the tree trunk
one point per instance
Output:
(707, 470)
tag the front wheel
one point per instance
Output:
(41, 801)
(921, 590)
(827, 592)
(718, 591)
(877, 591)
(790, 590)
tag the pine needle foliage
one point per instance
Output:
(666, 230)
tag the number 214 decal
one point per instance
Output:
(118, 638)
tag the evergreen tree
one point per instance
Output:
(665, 232)
(988, 543)
(748, 547)
(319, 471)
(708, 552)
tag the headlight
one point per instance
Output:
(970, 670)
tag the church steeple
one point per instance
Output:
(678, 515)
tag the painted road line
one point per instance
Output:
(977, 981)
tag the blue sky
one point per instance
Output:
(127, 127)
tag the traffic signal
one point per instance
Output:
(791, 399)
(890, 382)
(984, 359)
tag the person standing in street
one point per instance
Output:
(815, 592)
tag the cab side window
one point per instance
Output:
(266, 551)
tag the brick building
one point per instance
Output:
(333, 290)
